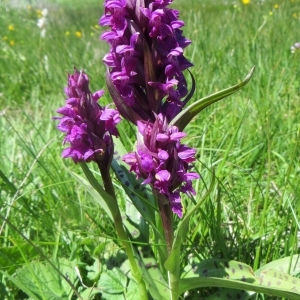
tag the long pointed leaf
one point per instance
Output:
(286, 264)
(22, 286)
(236, 275)
(7, 184)
(231, 294)
(140, 195)
(184, 117)
(155, 281)
(289, 264)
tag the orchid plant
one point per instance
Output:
(146, 79)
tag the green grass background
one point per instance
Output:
(251, 139)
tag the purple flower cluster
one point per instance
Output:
(146, 61)
(146, 81)
(163, 161)
(87, 125)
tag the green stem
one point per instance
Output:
(167, 222)
(108, 195)
(115, 211)
(173, 285)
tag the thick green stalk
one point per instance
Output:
(167, 222)
(173, 285)
(115, 211)
(116, 215)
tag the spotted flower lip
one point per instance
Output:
(162, 161)
(146, 61)
(87, 125)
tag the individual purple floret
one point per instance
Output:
(295, 47)
(163, 161)
(146, 62)
(87, 125)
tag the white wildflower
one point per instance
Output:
(41, 22)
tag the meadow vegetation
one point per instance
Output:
(250, 139)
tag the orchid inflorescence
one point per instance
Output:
(145, 79)
(163, 161)
(146, 58)
(87, 125)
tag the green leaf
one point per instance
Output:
(88, 294)
(283, 265)
(94, 270)
(6, 184)
(11, 257)
(236, 275)
(113, 281)
(3, 291)
(40, 281)
(183, 118)
(284, 280)
(131, 291)
(21, 286)
(106, 296)
(155, 282)
(135, 224)
(289, 264)
(140, 195)
(231, 294)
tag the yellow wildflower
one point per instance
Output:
(11, 27)
(96, 26)
(276, 6)
(67, 33)
(39, 13)
(29, 7)
(271, 13)
(294, 15)
(12, 42)
(246, 1)
(78, 34)
(4, 38)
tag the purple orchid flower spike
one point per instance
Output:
(87, 125)
(163, 161)
(146, 62)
